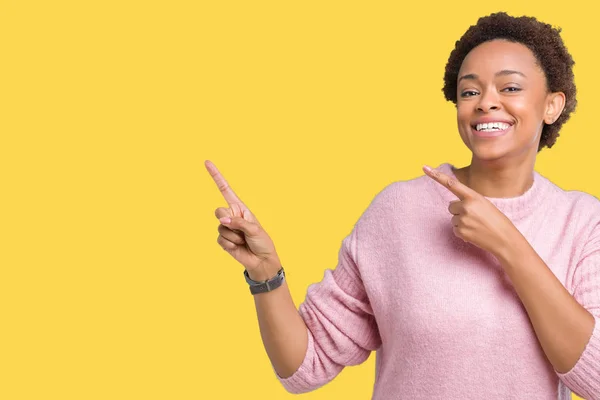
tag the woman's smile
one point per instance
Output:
(491, 130)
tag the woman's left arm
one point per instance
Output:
(566, 321)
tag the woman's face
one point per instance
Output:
(502, 101)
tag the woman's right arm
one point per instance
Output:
(333, 328)
(282, 329)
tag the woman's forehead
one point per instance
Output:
(490, 58)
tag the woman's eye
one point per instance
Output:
(468, 93)
(512, 89)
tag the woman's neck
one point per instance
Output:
(496, 181)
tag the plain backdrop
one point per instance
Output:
(112, 284)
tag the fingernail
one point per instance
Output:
(225, 220)
(426, 168)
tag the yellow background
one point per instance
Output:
(112, 285)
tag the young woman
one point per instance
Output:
(473, 282)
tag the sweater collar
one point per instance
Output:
(515, 208)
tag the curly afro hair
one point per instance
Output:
(545, 43)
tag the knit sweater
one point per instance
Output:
(441, 313)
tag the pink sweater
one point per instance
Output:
(441, 313)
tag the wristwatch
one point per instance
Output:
(265, 286)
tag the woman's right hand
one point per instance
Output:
(241, 235)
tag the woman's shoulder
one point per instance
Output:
(587, 207)
(569, 198)
(401, 190)
(397, 200)
(579, 199)
(578, 208)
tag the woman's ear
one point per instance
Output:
(555, 104)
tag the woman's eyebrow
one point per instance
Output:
(499, 73)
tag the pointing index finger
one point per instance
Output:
(223, 186)
(461, 191)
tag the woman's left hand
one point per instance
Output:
(475, 219)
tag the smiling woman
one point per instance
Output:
(502, 93)
(457, 279)
(544, 56)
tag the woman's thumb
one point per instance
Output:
(248, 216)
(242, 224)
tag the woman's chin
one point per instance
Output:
(488, 153)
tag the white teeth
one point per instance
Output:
(492, 126)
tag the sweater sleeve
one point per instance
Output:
(342, 330)
(584, 377)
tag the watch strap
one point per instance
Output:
(267, 285)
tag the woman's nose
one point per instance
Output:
(488, 101)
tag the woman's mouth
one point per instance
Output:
(491, 129)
